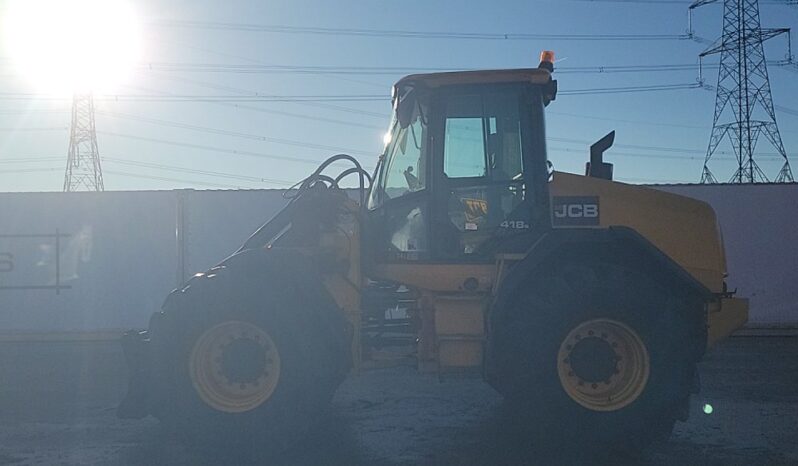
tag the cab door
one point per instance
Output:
(490, 162)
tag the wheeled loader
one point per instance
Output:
(577, 298)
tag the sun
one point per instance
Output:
(71, 46)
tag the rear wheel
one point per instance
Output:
(245, 362)
(601, 355)
(603, 364)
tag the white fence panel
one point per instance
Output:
(760, 230)
(216, 223)
(84, 261)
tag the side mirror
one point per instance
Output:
(412, 180)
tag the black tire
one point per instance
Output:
(304, 325)
(527, 335)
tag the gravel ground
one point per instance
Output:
(57, 404)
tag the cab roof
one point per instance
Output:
(520, 75)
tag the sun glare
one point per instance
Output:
(67, 46)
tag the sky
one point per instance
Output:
(661, 136)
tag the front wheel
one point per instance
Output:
(235, 366)
(246, 362)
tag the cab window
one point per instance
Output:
(464, 138)
(403, 168)
(401, 219)
(482, 167)
(482, 137)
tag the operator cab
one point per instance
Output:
(464, 165)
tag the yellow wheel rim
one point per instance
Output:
(234, 366)
(603, 365)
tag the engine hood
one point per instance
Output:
(685, 229)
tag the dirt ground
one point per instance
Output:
(57, 404)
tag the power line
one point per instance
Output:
(786, 110)
(652, 123)
(206, 98)
(678, 2)
(327, 98)
(30, 160)
(630, 146)
(216, 174)
(253, 60)
(31, 111)
(213, 149)
(308, 104)
(204, 129)
(617, 153)
(269, 110)
(407, 34)
(630, 89)
(133, 175)
(676, 150)
(642, 2)
(173, 180)
(674, 2)
(339, 108)
(30, 170)
(135, 163)
(619, 120)
(255, 137)
(220, 185)
(392, 70)
(34, 129)
(308, 69)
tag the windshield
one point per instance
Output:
(402, 168)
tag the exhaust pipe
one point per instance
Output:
(597, 167)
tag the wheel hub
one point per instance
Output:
(603, 365)
(234, 366)
(243, 361)
(592, 359)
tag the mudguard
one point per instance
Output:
(618, 244)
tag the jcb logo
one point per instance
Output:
(575, 210)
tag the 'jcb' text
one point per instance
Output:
(576, 211)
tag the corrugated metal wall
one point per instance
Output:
(85, 261)
(90, 262)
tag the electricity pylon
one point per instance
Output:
(743, 103)
(83, 170)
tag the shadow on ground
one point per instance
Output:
(57, 407)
